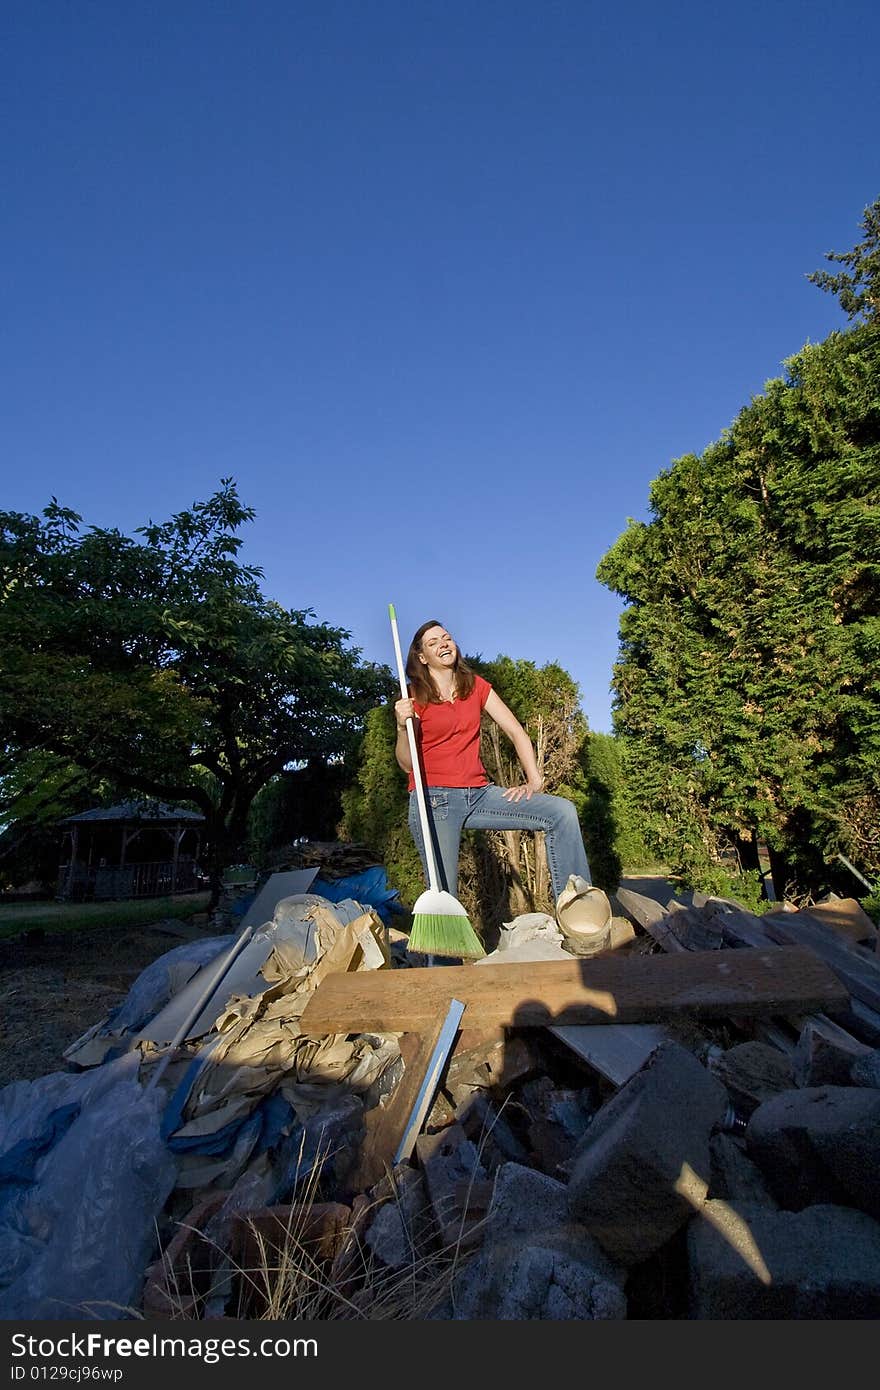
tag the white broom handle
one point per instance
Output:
(433, 877)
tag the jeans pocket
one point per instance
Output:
(439, 803)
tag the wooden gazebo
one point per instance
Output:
(133, 850)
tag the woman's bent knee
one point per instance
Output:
(564, 811)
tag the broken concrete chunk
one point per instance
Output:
(735, 1178)
(400, 1228)
(866, 1071)
(825, 1054)
(820, 1144)
(535, 1262)
(448, 1159)
(526, 1202)
(752, 1072)
(519, 1283)
(748, 1262)
(487, 1125)
(643, 1165)
(558, 1120)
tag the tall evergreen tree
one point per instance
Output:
(857, 288)
(748, 682)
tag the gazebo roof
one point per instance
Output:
(148, 813)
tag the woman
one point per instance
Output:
(446, 701)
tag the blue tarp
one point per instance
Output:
(370, 887)
(267, 1120)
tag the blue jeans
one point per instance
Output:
(453, 809)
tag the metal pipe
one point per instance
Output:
(853, 870)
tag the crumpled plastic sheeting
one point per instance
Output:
(77, 1240)
(33, 1115)
(291, 924)
(151, 991)
(163, 978)
(256, 1048)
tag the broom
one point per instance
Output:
(440, 923)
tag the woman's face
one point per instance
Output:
(438, 650)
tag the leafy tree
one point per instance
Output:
(41, 789)
(375, 806)
(610, 821)
(302, 801)
(858, 292)
(159, 664)
(746, 689)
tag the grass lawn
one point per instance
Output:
(16, 918)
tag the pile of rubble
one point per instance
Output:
(333, 858)
(686, 1126)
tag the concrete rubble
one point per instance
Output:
(692, 1166)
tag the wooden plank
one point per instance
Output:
(860, 1021)
(651, 916)
(695, 929)
(473, 1040)
(742, 928)
(848, 918)
(857, 968)
(604, 989)
(386, 1124)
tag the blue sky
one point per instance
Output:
(442, 286)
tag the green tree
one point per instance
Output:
(858, 291)
(159, 664)
(375, 806)
(40, 790)
(610, 821)
(299, 802)
(746, 689)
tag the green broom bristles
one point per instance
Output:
(441, 928)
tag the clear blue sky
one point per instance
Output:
(443, 286)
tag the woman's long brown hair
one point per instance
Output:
(421, 682)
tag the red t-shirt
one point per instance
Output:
(450, 741)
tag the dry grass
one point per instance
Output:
(306, 1264)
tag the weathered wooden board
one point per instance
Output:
(861, 1021)
(605, 989)
(857, 968)
(386, 1124)
(651, 916)
(847, 917)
